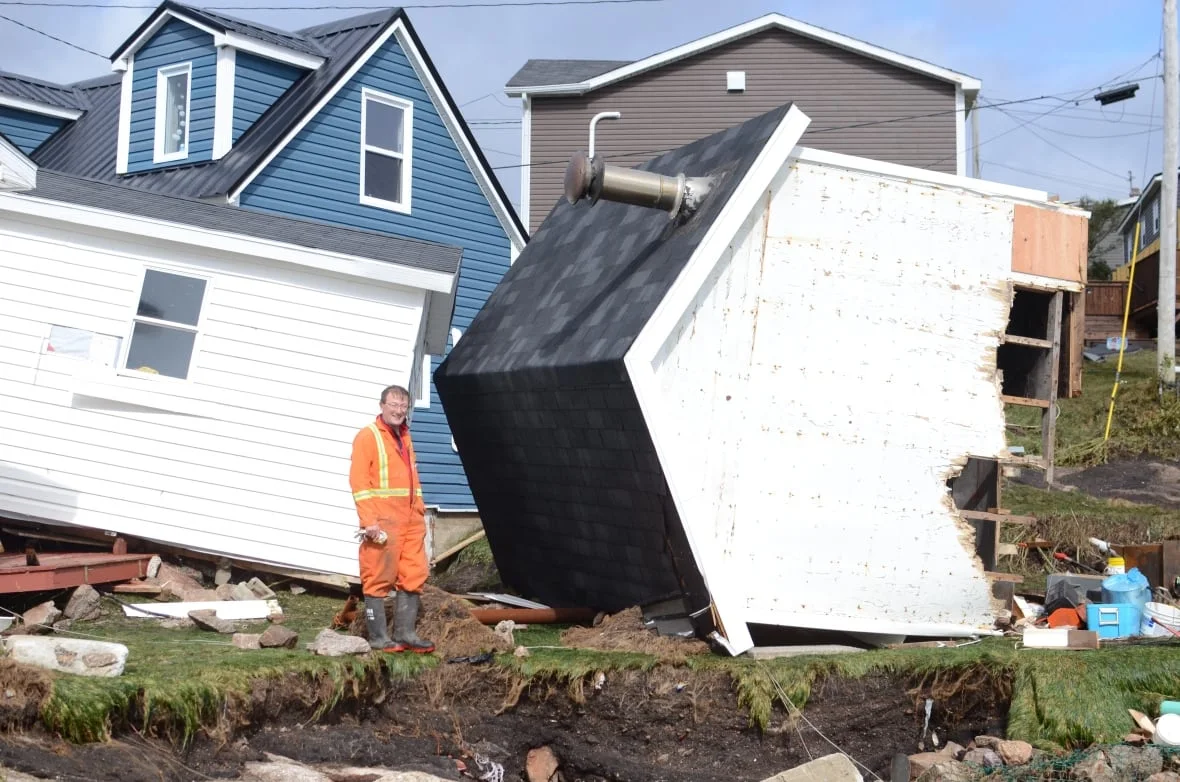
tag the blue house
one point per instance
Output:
(343, 128)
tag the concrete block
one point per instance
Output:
(68, 655)
(830, 768)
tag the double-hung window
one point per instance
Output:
(173, 88)
(164, 334)
(386, 150)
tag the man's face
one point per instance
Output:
(393, 410)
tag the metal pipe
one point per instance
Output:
(594, 122)
(642, 188)
(534, 616)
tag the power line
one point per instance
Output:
(1053, 177)
(52, 37)
(334, 7)
(1094, 166)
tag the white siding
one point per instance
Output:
(833, 372)
(250, 456)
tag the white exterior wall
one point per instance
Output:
(836, 368)
(250, 457)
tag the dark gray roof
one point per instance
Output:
(556, 451)
(222, 217)
(293, 41)
(538, 73)
(28, 88)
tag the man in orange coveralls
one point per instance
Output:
(388, 497)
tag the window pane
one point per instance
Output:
(160, 350)
(383, 125)
(171, 297)
(175, 109)
(383, 177)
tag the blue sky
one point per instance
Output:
(1017, 49)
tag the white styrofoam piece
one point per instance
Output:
(226, 609)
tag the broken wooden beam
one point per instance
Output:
(1004, 518)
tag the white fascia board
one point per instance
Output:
(120, 57)
(263, 249)
(465, 144)
(127, 66)
(968, 84)
(223, 110)
(36, 107)
(526, 157)
(726, 597)
(960, 132)
(911, 174)
(17, 172)
(268, 51)
(1148, 191)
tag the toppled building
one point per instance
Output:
(751, 392)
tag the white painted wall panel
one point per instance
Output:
(834, 371)
(249, 457)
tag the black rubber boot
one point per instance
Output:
(375, 621)
(405, 639)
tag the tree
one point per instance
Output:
(1099, 271)
(1105, 215)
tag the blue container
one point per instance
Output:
(1130, 587)
(1113, 620)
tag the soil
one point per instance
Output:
(669, 724)
(625, 631)
(1141, 481)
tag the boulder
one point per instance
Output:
(41, 617)
(924, 761)
(225, 592)
(247, 640)
(950, 771)
(983, 756)
(242, 592)
(207, 619)
(332, 644)
(541, 764)
(84, 604)
(989, 742)
(278, 637)
(1164, 776)
(177, 581)
(261, 590)
(829, 768)
(69, 655)
(1134, 762)
(1014, 753)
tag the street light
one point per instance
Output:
(1116, 94)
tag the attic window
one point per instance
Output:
(172, 112)
(386, 151)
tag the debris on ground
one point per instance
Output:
(85, 604)
(207, 619)
(277, 768)
(278, 637)
(447, 621)
(830, 768)
(625, 631)
(330, 643)
(78, 656)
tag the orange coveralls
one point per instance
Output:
(388, 494)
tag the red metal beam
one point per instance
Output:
(62, 570)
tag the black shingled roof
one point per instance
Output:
(556, 450)
(539, 73)
(223, 217)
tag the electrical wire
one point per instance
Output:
(1054, 177)
(1064, 151)
(52, 37)
(337, 7)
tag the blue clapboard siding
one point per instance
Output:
(317, 176)
(174, 44)
(258, 83)
(25, 129)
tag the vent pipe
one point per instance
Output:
(588, 176)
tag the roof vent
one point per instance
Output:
(588, 176)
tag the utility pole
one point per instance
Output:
(1130, 184)
(1166, 303)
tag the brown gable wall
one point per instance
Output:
(686, 100)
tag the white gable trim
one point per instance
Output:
(223, 110)
(126, 91)
(36, 107)
(727, 598)
(339, 264)
(526, 157)
(969, 84)
(465, 144)
(17, 172)
(220, 38)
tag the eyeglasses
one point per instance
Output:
(396, 407)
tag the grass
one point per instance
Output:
(1143, 424)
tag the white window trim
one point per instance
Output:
(122, 369)
(422, 388)
(1155, 217)
(162, 76)
(406, 157)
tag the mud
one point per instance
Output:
(1140, 481)
(668, 724)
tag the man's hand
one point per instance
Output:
(373, 534)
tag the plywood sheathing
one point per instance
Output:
(1049, 243)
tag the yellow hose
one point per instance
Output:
(1123, 338)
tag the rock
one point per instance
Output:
(247, 640)
(989, 742)
(199, 595)
(1164, 776)
(207, 619)
(41, 617)
(952, 750)
(332, 644)
(261, 591)
(278, 637)
(829, 768)
(950, 771)
(924, 761)
(178, 581)
(242, 592)
(1093, 768)
(983, 756)
(177, 623)
(63, 624)
(69, 655)
(1014, 753)
(297, 590)
(153, 568)
(149, 588)
(1134, 762)
(84, 604)
(276, 618)
(1135, 739)
(225, 592)
(541, 764)
(521, 652)
(223, 575)
(280, 769)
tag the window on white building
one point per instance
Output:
(386, 150)
(164, 332)
(172, 112)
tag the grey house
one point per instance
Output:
(863, 100)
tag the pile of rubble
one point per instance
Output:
(954, 763)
